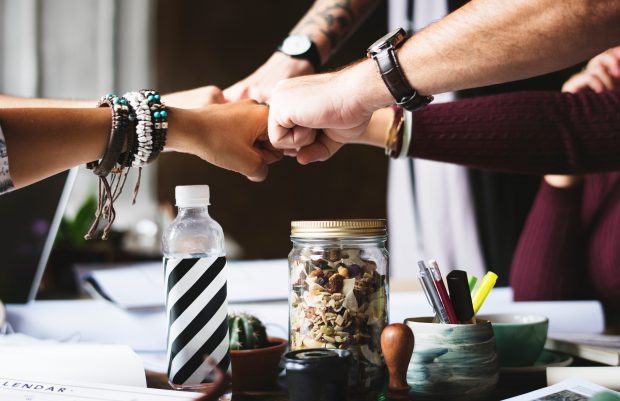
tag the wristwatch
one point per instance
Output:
(301, 47)
(383, 51)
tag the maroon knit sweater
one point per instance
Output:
(523, 132)
(570, 245)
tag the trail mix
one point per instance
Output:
(338, 300)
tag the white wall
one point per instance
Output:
(81, 49)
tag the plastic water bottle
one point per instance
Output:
(196, 299)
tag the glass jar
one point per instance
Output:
(339, 294)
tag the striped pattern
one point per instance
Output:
(197, 314)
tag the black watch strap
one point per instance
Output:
(397, 84)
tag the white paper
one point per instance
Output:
(130, 286)
(13, 388)
(573, 389)
(606, 376)
(90, 320)
(109, 364)
(142, 285)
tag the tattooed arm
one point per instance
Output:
(328, 23)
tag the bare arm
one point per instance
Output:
(187, 99)
(483, 43)
(328, 23)
(41, 142)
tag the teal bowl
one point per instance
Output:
(520, 337)
(452, 361)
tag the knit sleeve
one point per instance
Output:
(6, 184)
(549, 260)
(523, 132)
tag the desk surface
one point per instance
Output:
(510, 385)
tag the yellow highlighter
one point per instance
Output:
(482, 291)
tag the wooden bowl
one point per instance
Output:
(257, 369)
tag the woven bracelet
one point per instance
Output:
(118, 135)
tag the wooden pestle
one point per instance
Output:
(397, 345)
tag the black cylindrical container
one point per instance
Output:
(317, 374)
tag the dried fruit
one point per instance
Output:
(335, 283)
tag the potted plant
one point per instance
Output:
(255, 357)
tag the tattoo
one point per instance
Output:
(333, 18)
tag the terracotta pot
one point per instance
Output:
(257, 369)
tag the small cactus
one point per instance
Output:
(246, 332)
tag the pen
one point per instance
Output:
(428, 298)
(461, 297)
(472, 282)
(482, 291)
(427, 282)
(441, 289)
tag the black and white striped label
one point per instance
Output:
(197, 312)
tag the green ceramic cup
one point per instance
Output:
(452, 361)
(520, 338)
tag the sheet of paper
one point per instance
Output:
(572, 389)
(142, 285)
(100, 363)
(16, 388)
(90, 320)
(606, 376)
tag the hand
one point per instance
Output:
(195, 98)
(602, 73)
(335, 103)
(261, 83)
(232, 136)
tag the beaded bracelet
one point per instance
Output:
(140, 122)
(141, 112)
(110, 190)
(160, 122)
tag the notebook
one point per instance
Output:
(29, 221)
(598, 348)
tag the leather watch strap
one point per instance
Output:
(313, 56)
(396, 83)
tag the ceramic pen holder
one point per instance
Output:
(452, 361)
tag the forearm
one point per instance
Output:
(522, 132)
(44, 141)
(330, 22)
(487, 42)
(526, 132)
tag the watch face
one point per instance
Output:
(296, 45)
(393, 39)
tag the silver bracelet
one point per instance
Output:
(404, 150)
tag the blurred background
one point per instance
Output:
(82, 49)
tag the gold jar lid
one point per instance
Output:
(338, 228)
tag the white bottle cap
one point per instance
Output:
(192, 195)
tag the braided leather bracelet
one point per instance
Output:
(118, 135)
